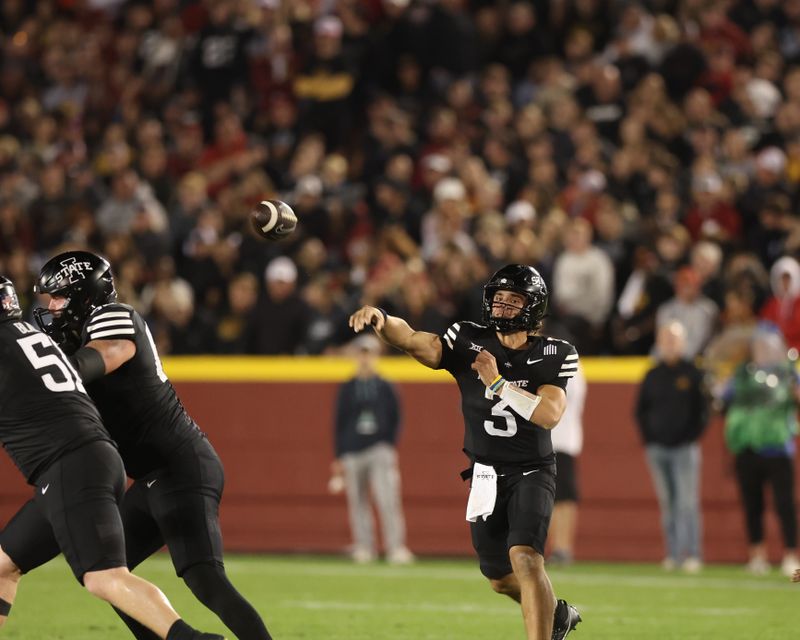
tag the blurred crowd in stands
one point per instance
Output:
(644, 155)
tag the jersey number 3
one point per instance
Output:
(61, 375)
(500, 412)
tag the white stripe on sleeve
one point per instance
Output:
(110, 323)
(112, 332)
(110, 314)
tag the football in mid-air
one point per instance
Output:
(273, 219)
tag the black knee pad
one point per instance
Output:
(5, 607)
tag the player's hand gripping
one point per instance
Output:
(366, 316)
(486, 366)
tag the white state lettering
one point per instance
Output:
(72, 270)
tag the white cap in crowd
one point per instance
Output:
(520, 211)
(281, 269)
(449, 189)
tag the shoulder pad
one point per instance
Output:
(110, 321)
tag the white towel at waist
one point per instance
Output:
(483, 493)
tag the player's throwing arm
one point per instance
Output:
(420, 345)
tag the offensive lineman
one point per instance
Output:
(52, 431)
(178, 477)
(507, 417)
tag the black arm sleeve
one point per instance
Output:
(89, 363)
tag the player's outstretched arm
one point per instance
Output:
(422, 346)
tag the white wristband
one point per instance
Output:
(522, 403)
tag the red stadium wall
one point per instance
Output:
(275, 440)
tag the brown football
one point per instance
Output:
(273, 219)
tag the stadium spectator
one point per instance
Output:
(760, 427)
(696, 313)
(217, 64)
(710, 216)
(325, 82)
(232, 153)
(633, 323)
(367, 426)
(327, 327)
(49, 212)
(671, 411)
(731, 345)
(768, 180)
(232, 328)
(446, 222)
(583, 285)
(281, 317)
(706, 259)
(783, 307)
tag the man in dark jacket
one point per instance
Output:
(367, 425)
(672, 412)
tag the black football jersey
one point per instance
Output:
(494, 432)
(137, 402)
(44, 409)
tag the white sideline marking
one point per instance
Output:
(332, 605)
(369, 606)
(472, 574)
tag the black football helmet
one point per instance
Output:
(526, 281)
(9, 303)
(85, 280)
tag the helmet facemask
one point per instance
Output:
(523, 321)
(524, 281)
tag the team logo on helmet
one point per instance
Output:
(72, 271)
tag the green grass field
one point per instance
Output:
(331, 599)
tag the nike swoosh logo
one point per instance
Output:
(151, 483)
(527, 473)
(534, 361)
(45, 488)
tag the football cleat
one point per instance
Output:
(566, 618)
